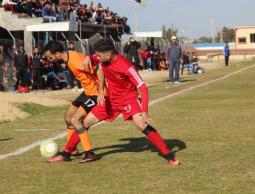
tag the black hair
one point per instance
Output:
(104, 45)
(54, 47)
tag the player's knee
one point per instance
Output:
(85, 123)
(67, 119)
(74, 120)
(140, 124)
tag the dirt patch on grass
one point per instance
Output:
(8, 100)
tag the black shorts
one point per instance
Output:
(86, 102)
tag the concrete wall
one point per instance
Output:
(245, 33)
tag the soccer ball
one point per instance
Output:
(48, 148)
(200, 71)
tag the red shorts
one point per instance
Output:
(109, 113)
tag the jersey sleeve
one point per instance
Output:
(134, 77)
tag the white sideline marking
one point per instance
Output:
(29, 147)
(62, 135)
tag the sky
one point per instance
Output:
(192, 18)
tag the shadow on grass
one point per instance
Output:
(182, 80)
(7, 139)
(140, 144)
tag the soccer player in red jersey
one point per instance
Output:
(124, 82)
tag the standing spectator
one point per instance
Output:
(173, 56)
(133, 53)
(35, 60)
(21, 64)
(226, 53)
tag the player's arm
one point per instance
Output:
(101, 82)
(87, 66)
(136, 79)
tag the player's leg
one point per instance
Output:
(76, 122)
(89, 120)
(154, 137)
(79, 101)
(97, 114)
(72, 138)
(82, 132)
(67, 117)
(73, 118)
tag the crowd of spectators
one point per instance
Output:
(149, 57)
(19, 70)
(23, 72)
(60, 10)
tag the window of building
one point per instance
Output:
(252, 38)
(242, 40)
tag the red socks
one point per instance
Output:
(155, 138)
(72, 143)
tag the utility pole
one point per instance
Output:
(221, 35)
(212, 26)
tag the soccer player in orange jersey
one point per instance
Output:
(92, 81)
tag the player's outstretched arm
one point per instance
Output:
(143, 89)
(101, 82)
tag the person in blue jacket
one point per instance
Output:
(226, 53)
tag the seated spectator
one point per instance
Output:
(59, 12)
(9, 5)
(108, 16)
(194, 62)
(99, 7)
(92, 6)
(162, 62)
(186, 63)
(36, 8)
(71, 46)
(48, 14)
(126, 27)
(89, 15)
(82, 13)
(24, 9)
(63, 76)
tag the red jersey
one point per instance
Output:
(123, 81)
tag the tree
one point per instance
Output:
(203, 39)
(225, 35)
(168, 33)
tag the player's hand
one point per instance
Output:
(145, 117)
(100, 98)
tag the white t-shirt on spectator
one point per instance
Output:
(7, 2)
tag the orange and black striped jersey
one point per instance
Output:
(89, 80)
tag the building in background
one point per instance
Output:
(245, 37)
